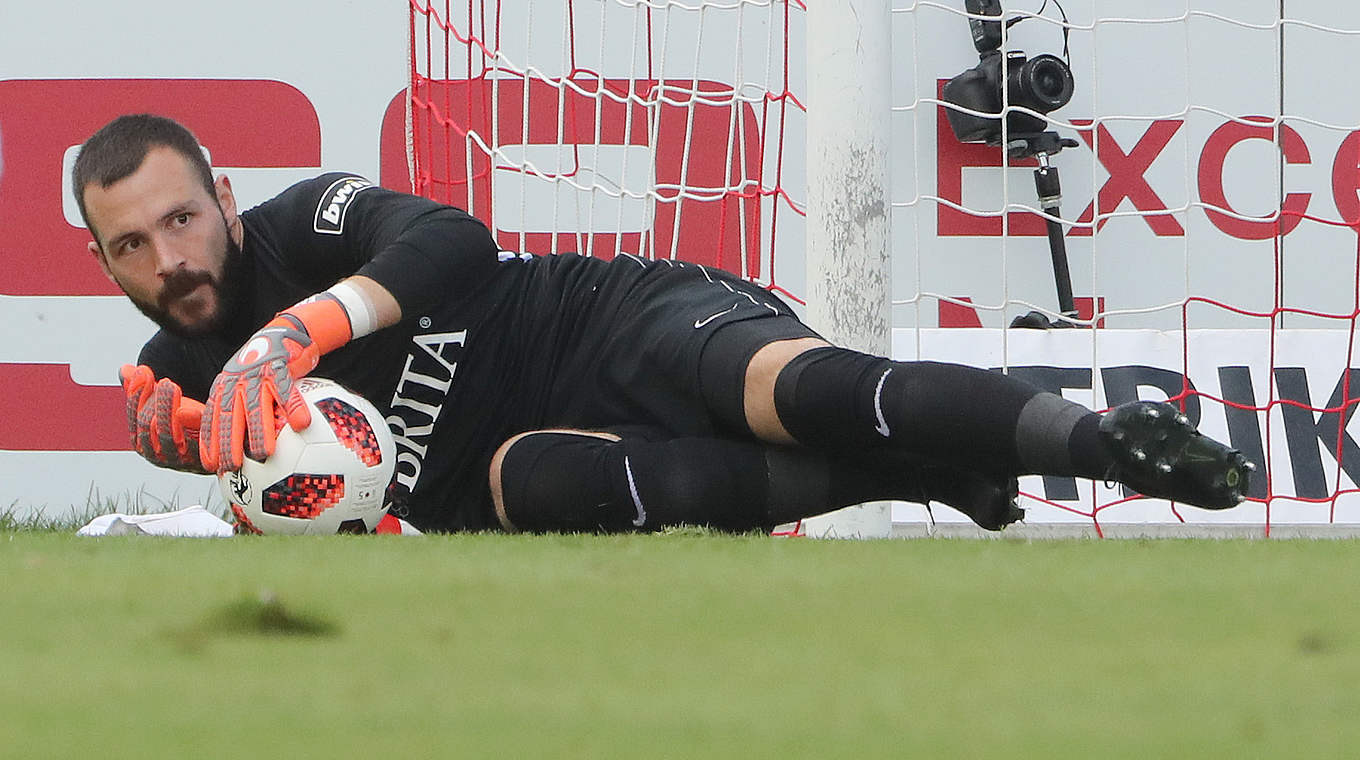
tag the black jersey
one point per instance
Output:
(489, 344)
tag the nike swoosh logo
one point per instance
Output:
(632, 490)
(698, 323)
(882, 426)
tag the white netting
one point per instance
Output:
(655, 129)
(1208, 208)
(1183, 87)
(1210, 215)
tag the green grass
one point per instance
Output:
(685, 645)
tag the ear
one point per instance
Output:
(99, 256)
(226, 199)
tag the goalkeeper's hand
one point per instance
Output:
(254, 396)
(163, 424)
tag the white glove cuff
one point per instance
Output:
(363, 316)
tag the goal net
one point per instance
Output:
(1208, 208)
(605, 127)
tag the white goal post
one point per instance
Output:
(849, 247)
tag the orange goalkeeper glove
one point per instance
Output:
(254, 396)
(163, 424)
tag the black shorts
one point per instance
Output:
(647, 350)
(670, 352)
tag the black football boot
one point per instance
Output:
(1159, 453)
(988, 500)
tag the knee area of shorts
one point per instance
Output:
(727, 365)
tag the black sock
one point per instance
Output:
(804, 483)
(555, 481)
(742, 485)
(838, 400)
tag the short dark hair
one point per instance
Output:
(119, 148)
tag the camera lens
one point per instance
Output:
(1046, 83)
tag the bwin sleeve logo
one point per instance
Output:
(330, 212)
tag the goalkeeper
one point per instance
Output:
(557, 392)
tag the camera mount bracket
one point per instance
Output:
(1042, 145)
(1037, 144)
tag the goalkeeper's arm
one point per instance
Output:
(254, 393)
(407, 254)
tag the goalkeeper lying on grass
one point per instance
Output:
(558, 392)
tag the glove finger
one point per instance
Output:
(137, 381)
(135, 378)
(235, 436)
(207, 450)
(303, 360)
(169, 428)
(264, 422)
(299, 415)
(144, 433)
(190, 415)
(230, 426)
(148, 442)
(214, 446)
(205, 438)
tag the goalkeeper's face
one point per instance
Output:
(170, 245)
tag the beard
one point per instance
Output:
(226, 291)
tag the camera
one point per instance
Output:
(1042, 84)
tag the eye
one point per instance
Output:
(181, 220)
(131, 245)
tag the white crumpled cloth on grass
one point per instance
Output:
(190, 522)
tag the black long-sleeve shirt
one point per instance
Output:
(489, 344)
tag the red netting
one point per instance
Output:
(718, 191)
(1341, 406)
(713, 191)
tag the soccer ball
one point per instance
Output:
(330, 477)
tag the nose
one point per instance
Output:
(167, 256)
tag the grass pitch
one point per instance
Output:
(683, 645)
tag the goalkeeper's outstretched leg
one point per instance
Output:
(592, 481)
(836, 400)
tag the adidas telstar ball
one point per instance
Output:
(331, 477)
